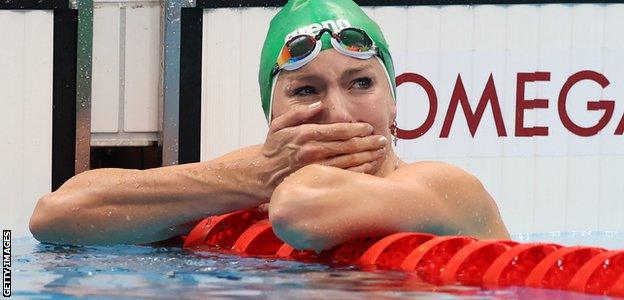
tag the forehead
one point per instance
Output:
(331, 63)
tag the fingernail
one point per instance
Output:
(315, 105)
(383, 139)
(381, 151)
(370, 128)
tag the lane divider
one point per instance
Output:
(439, 260)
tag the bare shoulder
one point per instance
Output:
(448, 182)
(465, 197)
(435, 173)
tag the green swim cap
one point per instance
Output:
(309, 16)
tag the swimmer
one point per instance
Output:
(327, 172)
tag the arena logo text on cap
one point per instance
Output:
(314, 28)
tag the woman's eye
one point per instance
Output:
(304, 91)
(363, 83)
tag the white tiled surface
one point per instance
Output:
(142, 69)
(26, 106)
(105, 84)
(228, 68)
(554, 54)
(126, 73)
(422, 25)
(558, 182)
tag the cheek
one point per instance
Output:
(280, 105)
(280, 101)
(375, 112)
(277, 108)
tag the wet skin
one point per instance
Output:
(327, 171)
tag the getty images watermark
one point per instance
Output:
(6, 263)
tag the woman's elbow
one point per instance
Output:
(41, 219)
(53, 213)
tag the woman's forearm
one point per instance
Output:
(110, 206)
(319, 207)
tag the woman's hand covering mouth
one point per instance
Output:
(292, 144)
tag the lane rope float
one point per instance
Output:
(439, 260)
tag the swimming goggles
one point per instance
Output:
(303, 48)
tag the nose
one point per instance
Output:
(337, 109)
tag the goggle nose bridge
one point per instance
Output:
(323, 30)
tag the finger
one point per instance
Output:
(294, 117)
(264, 207)
(354, 145)
(332, 132)
(317, 151)
(367, 168)
(355, 159)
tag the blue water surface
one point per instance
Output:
(42, 271)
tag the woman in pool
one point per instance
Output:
(327, 167)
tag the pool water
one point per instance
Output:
(129, 272)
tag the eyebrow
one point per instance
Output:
(353, 71)
(348, 73)
(302, 77)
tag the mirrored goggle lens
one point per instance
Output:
(355, 40)
(300, 46)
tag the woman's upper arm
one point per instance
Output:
(465, 203)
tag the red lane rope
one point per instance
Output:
(469, 264)
(436, 259)
(391, 251)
